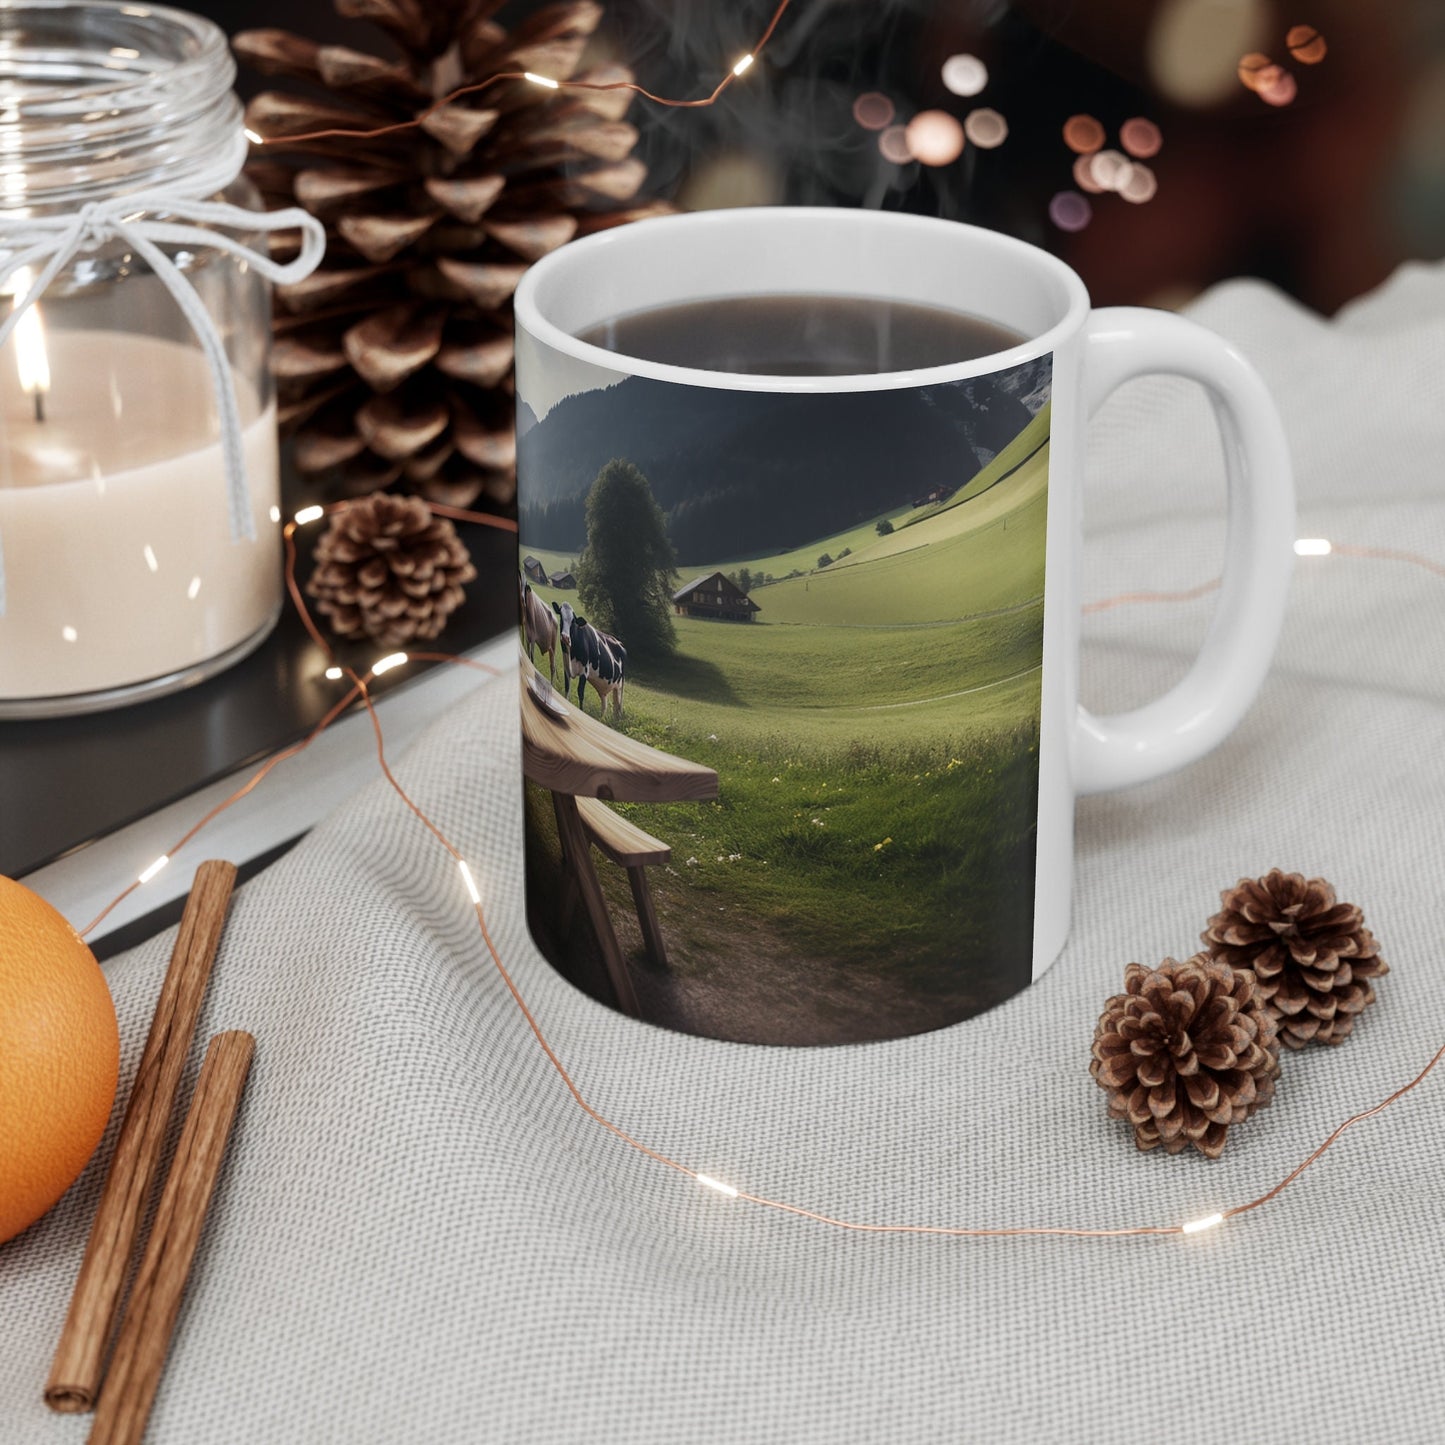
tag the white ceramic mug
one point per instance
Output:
(574, 396)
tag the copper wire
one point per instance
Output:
(1190, 594)
(375, 132)
(254, 781)
(360, 690)
(1126, 599)
(1388, 554)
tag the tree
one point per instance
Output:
(825, 560)
(883, 527)
(627, 571)
(745, 581)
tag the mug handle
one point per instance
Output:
(1194, 716)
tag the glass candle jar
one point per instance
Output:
(139, 502)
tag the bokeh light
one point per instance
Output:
(934, 137)
(1279, 89)
(1110, 170)
(1070, 211)
(1083, 134)
(1140, 185)
(1266, 77)
(965, 74)
(1306, 44)
(1084, 175)
(894, 145)
(873, 111)
(1140, 137)
(1252, 66)
(985, 128)
(1193, 46)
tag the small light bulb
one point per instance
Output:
(385, 664)
(742, 64)
(1313, 547)
(309, 514)
(710, 1183)
(542, 80)
(1195, 1226)
(275, 514)
(154, 868)
(333, 674)
(469, 880)
(256, 140)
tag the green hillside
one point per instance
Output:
(974, 554)
(875, 735)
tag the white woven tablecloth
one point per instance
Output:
(419, 1238)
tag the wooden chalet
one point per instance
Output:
(714, 596)
(562, 579)
(938, 494)
(534, 570)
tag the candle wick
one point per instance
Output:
(39, 404)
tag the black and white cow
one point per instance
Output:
(591, 655)
(538, 626)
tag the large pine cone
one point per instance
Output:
(1185, 1051)
(388, 570)
(394, 360)
(1314, 957)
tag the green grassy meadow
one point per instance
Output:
(867, 869)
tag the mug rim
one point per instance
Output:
(529, 314)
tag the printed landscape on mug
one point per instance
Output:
(834, 601)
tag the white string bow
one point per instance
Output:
(52, 242)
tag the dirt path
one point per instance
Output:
(765, 993)
(750, 985)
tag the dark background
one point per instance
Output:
(1323, 197)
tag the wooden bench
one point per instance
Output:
(629, 847)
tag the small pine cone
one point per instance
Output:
(1314, 957)
(388, 570)
(1185, 1051)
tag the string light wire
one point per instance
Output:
(360, 691)
(1304, 547)
(743, 64)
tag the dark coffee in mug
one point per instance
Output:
(801, 335)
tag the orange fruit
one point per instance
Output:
(59, 1056)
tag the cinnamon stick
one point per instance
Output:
(160, 1283)
(79, 1361)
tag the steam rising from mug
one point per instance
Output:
(791, 134)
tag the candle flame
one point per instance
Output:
(32, 362)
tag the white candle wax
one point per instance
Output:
(119, 562)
